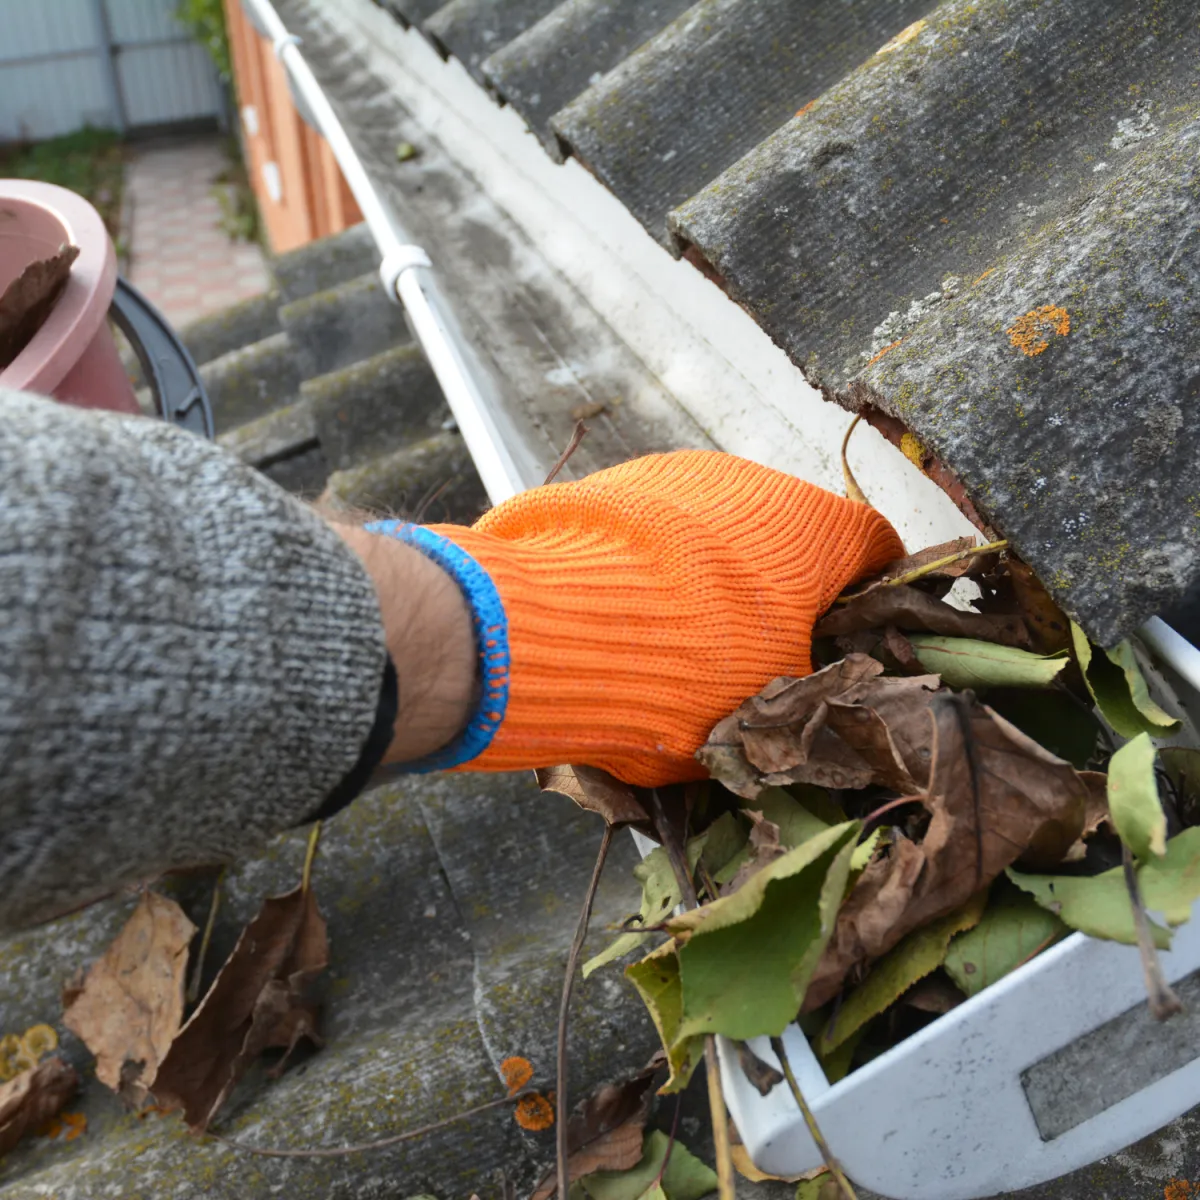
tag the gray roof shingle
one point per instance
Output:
(909, 197)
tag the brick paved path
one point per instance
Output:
(179, 255)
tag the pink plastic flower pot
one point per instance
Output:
(73, 356)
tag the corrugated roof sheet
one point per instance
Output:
(979, 219)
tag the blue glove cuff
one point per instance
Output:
(491, 637)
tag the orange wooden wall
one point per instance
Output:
(300, 190)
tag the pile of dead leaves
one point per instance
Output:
(130, 1010)
(960, 785)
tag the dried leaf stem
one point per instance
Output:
(1164, 1002)
(929, 568)
(562, 1150)
(577, 436)
(193, 988)
(845, 1188)
(310, 853)
(670, 1141)
(382, 1143)
(853, 491)
(726, 1181)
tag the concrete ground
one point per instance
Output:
(179, 255)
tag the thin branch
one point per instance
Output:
(193, 989)
(929, 568)
(853, 491)
(872, 817)
(726, 1180)
(1164, 1002)
(382, 1143)
(676, 854)
(560, 1099)
(670, 1141)
(576, 437)
(844, 1185)
(310, 853)
(675, 851)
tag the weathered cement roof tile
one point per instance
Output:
(1047, 149)
(712, 85)
(473, 29)
(569, 49)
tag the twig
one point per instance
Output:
(726, 1180)
(726, 1183)
(576, 437)
(844, 1185)
(670, 1141)
(929, 568)
(314, 837)
(430, 497)
(193, 989)
(1164, 1002)
(382, 1143)
(560, 1099)
(853, 491)
(871, 817)
(675, 852)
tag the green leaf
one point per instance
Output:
(818, 802)
(1182, 765)
(812, 1189)
(918, 955)
(722, 840)
(656, 978)
(1119, 688)
(660, 897)
(622, 946)
(746, 959)
(685, 1178)
(796, 823)
(968, 663)
(865, 851)
(1099, 904)
(1133, 799)
(836, 1064)
(1013, 927)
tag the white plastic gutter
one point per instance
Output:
(504, 465)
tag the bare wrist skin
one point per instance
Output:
(429, 634)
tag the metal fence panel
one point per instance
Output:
(110, 63)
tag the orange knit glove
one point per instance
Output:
(646, 602)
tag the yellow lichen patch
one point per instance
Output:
(1031, 333)
(10, 1047)
(912, 449)
(980, 278)
(805, 109)
(903, 37)
(534, 1112)
(38, 1040)
(886, 350)
(517, 1073)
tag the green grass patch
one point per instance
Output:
(88, 161)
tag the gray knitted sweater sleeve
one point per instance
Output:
(190, 660)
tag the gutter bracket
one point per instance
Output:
(395, 262)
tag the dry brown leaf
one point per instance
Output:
(595, 791)
(604, 1133)
(1049, 627)
(908, 607)
(30, 1100)
(761, 1075)
(849, 728)
(994, 796)
(29, 300)
(764, 849)
(128, 1009)
(744, 1164)
(588, 409)
(255, 1003)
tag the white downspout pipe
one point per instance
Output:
(504, 466)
